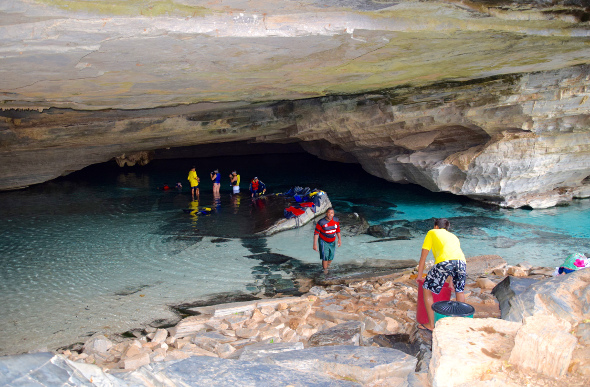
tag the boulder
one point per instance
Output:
(566, 297)
(188, 326)
(236, 321)
(362, 364)
(97, 344)
(485, 283)
(377, 231)
(517, 271)
(510, 287)
(247, 333)
(133, 362)
(336, 316)
(544, 345)
(318, 292)
(225, 350)
(160, 336)
(464, 349)
(525, 266)
(484, 264)
(347, 333)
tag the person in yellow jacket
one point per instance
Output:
(194, 181)
(449, 261)
(234, 178)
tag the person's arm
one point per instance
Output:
(339, 240)
(422, 262)
(315, 241)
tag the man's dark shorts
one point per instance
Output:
(437, 276)
(327, 250)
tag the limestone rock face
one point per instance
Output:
(488, 100)
(566, 297)
(544, 345)
(464, 349)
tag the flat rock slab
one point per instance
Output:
(212, 372)
(348, 333)
(257, 352)
(509, 288)
(47, 369)
(348, 273)
(361, 364)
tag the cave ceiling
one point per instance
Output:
(379, 82)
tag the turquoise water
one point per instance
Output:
(104, 250)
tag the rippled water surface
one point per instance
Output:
(104, 250)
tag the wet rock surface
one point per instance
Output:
(359, 333)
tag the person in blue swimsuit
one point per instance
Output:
(216, 178)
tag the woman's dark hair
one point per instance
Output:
(442, 223)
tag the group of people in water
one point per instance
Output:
(256, 188)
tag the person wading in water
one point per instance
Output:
(324, 238)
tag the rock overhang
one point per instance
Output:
(449, 95)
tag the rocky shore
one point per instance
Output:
(355, 332)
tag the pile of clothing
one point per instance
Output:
(574, 262)
(304, 198)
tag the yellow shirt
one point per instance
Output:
(444, 245)
(238, 180)
(193, 179)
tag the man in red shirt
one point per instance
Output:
(324, 237)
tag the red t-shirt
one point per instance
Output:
(327, 230)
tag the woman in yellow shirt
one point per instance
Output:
(449, 261)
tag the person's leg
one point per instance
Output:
(428, 301)
(324, 252)
(459, 274)
(460, 296)
(331, 252)
(193, 193)
(433, 284)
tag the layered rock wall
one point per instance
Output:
(512, 140)
(478, 98)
